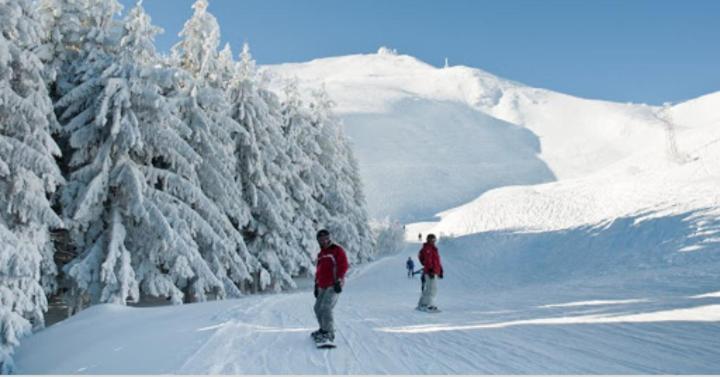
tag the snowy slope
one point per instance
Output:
(577, 326)
(698, 113)
(430, 155)
(404, 116)
(420, 146)
(650, 180)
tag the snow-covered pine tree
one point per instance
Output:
(226, 68)
(209, 241)
(79, 32)
(139, 216)
(206, 111)
(342, 194)
(264, 166)
(274, 232)
(28, 176)
(389, 236)
(100, 130)
(307, 177)
(196, 51)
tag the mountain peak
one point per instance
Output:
(392, 76)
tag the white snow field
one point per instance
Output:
(637, 322)
(586, 239)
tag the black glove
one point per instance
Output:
(441, 275)
(317, 290)
(337, 287)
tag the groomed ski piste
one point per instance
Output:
(577, 236)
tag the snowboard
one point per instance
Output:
(426, 310)
(325, 344)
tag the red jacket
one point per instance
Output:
(331, 258)
(430, 259)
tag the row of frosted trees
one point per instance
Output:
(177, 176)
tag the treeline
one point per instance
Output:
(179, 176)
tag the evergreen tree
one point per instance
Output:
(226, 68)
(265, 166)
(214, 206)
(100, 129)
(139, 215)
(341, 195)
(28, 176)
(197, 50)
(206, 111)
(81, 35)
(307, 177)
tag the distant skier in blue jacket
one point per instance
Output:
(410, 267)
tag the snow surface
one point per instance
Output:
(648, 324)
(582, 243)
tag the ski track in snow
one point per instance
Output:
(362, 348)
(644, 325)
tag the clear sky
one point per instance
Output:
(648, 51)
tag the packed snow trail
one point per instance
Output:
(546, 329)
(647, 322)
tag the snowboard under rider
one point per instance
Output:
(432, 269)
(332, 264)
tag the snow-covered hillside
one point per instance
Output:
(431, 138)
(655, 178)
(421, 147)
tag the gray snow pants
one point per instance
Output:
(324, 304)
(427, 298)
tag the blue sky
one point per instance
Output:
(620, 50)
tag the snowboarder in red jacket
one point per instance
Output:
(432, 269)
(332, 264)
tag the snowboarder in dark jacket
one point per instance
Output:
(332, 264)
(410, 265)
